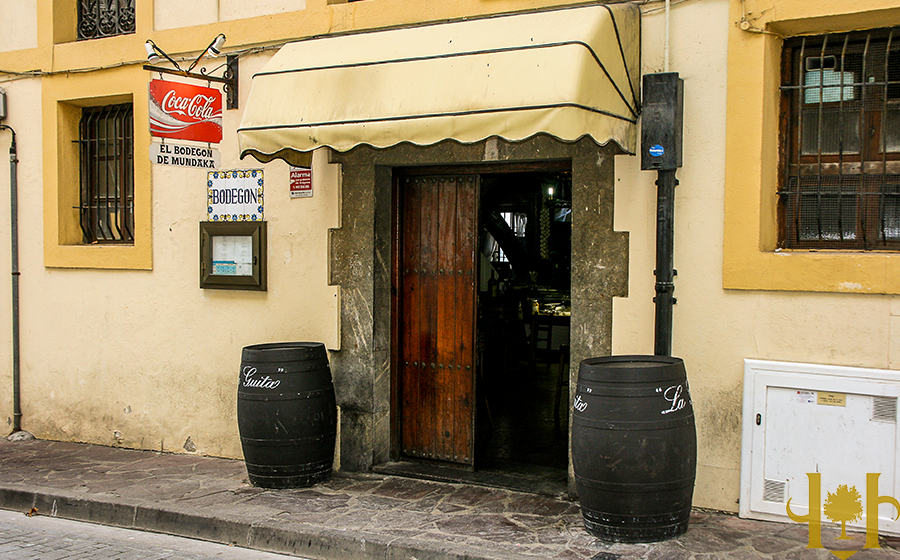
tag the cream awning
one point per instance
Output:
(569, 72)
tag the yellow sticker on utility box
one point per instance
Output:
(832, 399)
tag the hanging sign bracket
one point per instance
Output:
(229, 78)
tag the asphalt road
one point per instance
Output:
(49, 538)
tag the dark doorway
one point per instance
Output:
(523, 322)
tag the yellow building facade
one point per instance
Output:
(120, 346)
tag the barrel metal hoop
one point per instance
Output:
(284, 351)
(635, 529)
(648, 521)
(269, 442)
(628, 425)
(284, 396)
(647, 391)
(636, 487)
(282, 470)
(666, 379)
(287, 367)
(631, 369)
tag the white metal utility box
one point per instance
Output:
(840, 422)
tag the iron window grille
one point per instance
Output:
(106, 142)
(105, 18)
(840, 142)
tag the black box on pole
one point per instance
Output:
(661, 121)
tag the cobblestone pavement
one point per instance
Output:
(352, 517)
(47, 538)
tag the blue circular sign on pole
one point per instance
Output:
(656, 150)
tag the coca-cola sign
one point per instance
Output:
(185, 111)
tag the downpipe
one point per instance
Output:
(14, 239)
(665, 270)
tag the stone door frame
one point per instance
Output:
(360, 262)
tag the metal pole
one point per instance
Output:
(665, 271)
(14, 239)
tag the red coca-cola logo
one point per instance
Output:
(185, 111)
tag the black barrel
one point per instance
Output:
(634, 447)
(287, 415)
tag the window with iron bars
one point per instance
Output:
(106, 138)
(105, 18)
(840, 142)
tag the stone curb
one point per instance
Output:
(265, 535)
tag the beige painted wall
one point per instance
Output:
(23, 97)
(706, 323)
(175, 374)
(171, 14)
(18, 25)
(715, 329)
(143, 357)
(148, 354)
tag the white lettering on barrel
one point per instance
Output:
(673, 395)
(262, 382)
(580, 405)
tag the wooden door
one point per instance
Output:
(435, 316)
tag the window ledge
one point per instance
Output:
(843, 252)
(813, 271)
(112, 257)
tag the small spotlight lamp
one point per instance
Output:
(152, 56)
(215, 49)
